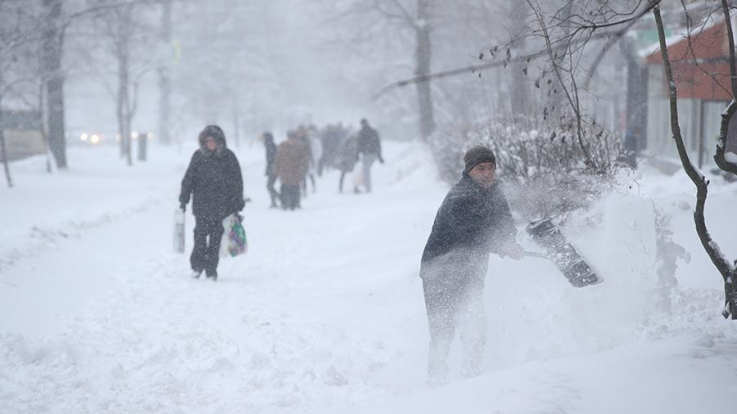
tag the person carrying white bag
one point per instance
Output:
(214, 181)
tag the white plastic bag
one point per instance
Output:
(227, 224)
(179, 236)
(234, 241)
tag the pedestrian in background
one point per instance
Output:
(369, 146)
(292, 165)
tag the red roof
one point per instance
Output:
(700, 63)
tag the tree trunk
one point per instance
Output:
(6, 162)
(520, 96)
(165, 85)
(3, 147)
(53, 41)
(120, 105)
(43, 128)
(423, 56)
(720, 155)
(702, 132)
(636, 133)
(123, 101)
(122, 108)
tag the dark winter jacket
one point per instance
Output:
(214, 181)
(471, 223)
(270, 156)
(368, 141)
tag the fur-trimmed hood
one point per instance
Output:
(217, 133)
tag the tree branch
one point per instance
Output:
(470, 69)
(572, 99)
(719, 157)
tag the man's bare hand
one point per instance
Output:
(514, 250)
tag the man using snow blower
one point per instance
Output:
(473, 221)
(214, 181)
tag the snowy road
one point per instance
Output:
(324, 313)
(109, 320)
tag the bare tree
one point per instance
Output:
(399, 37)
(725, 268)
(124, 26)
(238, 64)
(559, 38)
(420, 19)
(18, 69)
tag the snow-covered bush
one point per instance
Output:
(543, 165)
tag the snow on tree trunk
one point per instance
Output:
(423, 56)
(53, 41)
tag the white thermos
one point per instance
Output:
(179, 231)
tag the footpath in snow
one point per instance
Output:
(325, 312)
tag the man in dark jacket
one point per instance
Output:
(369, 145)
(473, 221)
(214, 181)
(270, 170)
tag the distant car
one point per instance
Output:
(95, 138)
(91, 138)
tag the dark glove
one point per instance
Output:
(182, 206)
(381, 160)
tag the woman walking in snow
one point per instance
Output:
(214, 181)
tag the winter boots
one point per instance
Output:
(210, 276)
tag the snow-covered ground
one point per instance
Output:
(325, 312)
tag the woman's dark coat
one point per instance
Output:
(214, 181)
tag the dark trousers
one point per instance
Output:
(450, 306)
(272, 192)
(340, 183)
(304, 185)
(289, 196)
(206, 252)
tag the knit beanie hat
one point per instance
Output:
(477, 155)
